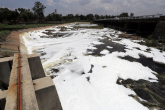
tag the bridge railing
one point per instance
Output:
(134, 17)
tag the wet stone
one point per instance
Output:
(148, 62)
(107, 42)
(82, 73)
(152, 92)
(90, 71)
(143, 94)
(54, 35)
(88, 79)
(41, 53)
(54, 70)
(128, 81)
(44, 36)
(157, 88)
(137, 48)
(53, 76)
(63, 29)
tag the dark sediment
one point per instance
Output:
(152, 93)
(107, 42)
(157, 67)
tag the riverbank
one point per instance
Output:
(97, 68)
(10, 44)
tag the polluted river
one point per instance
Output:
(95, 69)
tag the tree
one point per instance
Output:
(13, 15)
(4, 13)
(24, 16)
(82, 17)
(21, 10)
(131, 14)
(89, 17)
(97, 16)
(125, 14)
(39, 10)
(77, 16)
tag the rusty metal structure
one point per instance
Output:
(19, 82)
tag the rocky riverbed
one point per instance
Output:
(101, 69)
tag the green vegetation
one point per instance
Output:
(36, 14)
(161, 40)
(6, 54)
(125, 14)
(22, 26)
(39, 10)
(72, 21)
(3, 35)
(151, 43)
(6, 29)
(150, 37)
(90, 27)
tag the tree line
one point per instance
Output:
(37, 14)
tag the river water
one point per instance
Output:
(86, 64)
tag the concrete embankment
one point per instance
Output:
(14, 39)
(35, 86)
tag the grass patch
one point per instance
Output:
(150, 37)
(5, 29)
(151, 43)
(22, 26)
(161, 40)
(3, 35)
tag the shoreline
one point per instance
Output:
(70, 64)
(15, 39)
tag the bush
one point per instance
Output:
(150, 37)
(3, 35)
(151, 43)
(161, 40)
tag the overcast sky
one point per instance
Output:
(101, 7)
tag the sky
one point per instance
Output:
(101, 7)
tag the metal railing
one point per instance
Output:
(134, 17)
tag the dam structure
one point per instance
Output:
(23, 83)
(38, 92)
(138, 24)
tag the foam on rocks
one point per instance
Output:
(86, 82)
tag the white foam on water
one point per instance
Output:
(82, 86)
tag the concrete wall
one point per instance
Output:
(5, 69)
(2, 103)
(44, 88)
(36, 68)
(146, 26)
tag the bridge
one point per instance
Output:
(140, 24)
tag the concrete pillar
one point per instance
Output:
(3, 95)
(117, 25)
(5, 69)
(36, 68)
(140, 27)
(46, 94)
(131, 27)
